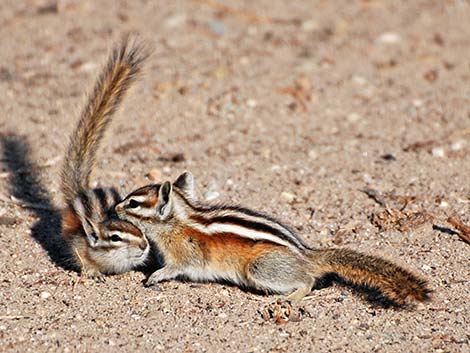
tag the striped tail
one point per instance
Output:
(120, 72)
(393, 281)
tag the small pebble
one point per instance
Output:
(457, 145)
(353, 117)
(276, 168)
(288, 196)
(252, 103)
(309, 26)
(88, 67)
(166, 170)
(420, 306)
(367, 178)
(444, 204)
(176, 20)
(359, 80)
(218, 27)
(244, 60)
(438, 152)
(45, 295)
(312, 154)
(426, 268)
(154, 174)
(389, 38)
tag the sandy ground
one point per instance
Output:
(294, 110)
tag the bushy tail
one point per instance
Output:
(393, 281)
(122, 68)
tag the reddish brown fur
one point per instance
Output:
(223, 250)
(71, 223)
(395, 282)
(73, 231)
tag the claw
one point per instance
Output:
(93, 274)
(155, 287)
(151, 282)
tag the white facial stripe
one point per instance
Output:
(138, 198)
(143, 212)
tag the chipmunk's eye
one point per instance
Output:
(115, 237)
(133, 204)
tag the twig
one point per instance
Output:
(376, 196)
(462, 228)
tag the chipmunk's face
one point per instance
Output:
(140, 204)
(154, 203)
(118, 246)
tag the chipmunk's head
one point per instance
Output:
(114, 245)
(155, 203)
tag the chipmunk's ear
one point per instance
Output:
(165, 202)
(89, 227)
(91, 231)
(185, 182)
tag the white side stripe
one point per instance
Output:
(216, 228)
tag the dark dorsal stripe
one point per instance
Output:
(243, 222)
(85, 201)
(102, 199)
(115, 195)
(248, 224)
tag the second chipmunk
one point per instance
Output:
(228, 243)
(101, 245)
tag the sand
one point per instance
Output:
(298, 109)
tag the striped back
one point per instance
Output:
(228, 219)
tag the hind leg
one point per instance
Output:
(280, 271)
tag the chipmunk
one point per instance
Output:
(102, 245)
(209, 243)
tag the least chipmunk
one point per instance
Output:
(101, 244)
(228, 243)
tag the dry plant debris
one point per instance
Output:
(281, 312)
(464, 230)
(301, 92)
(403, 221)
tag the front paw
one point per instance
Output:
(93, 274)
(153, 282)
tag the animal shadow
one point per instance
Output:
(26, 185)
